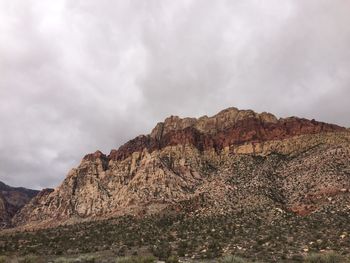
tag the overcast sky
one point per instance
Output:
(77, 76)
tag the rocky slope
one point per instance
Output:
(12, 199)
(235, 160)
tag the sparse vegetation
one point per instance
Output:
(232, 259)
(247, 235)
(325, 258)
(4, 259)
(31, 259)
(172, 259)
(139, 259)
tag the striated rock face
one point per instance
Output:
(228, 127)
(209, 165)
(12, 199)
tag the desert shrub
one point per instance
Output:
(62, 260)
(172, 259)
(85, 259)
(31, 259)
(80, 259)
(146, 259)
(162, 250)
(324, 258)
(232, 259)
(214, 249)
(182, 248)
(121, 251)
(4, 259)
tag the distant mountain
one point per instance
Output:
(233, 161)
(12, 199)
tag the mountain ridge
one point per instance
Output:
(189, 159)
(167, 132)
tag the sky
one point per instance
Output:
(82, 75)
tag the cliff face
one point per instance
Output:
(208, 165)
(227, 128)
(12, 199)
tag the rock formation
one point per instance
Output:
(12, 199)
(235, 159)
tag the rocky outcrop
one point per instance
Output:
(231, 161)
(228, 127)
(12, 199)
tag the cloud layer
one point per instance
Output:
(77, 76)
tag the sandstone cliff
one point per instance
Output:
(235, 159)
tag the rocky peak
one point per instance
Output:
(172, 123)
(94, 156)
(227, 128)
(223, 120)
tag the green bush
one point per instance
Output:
(324, 258)
(80, 259)
(232, 259)
(86, 259)
(4, 259)
(172, 259)
(162, 250)
(61, 260)
(147, 259)
(214, 249)
(31, 259)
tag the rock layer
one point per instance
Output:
(228, 127)
(210, 165)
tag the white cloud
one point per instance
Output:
(77, 76)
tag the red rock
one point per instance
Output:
(205, 133)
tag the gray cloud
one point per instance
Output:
(77, 76)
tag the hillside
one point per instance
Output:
(12, 199)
